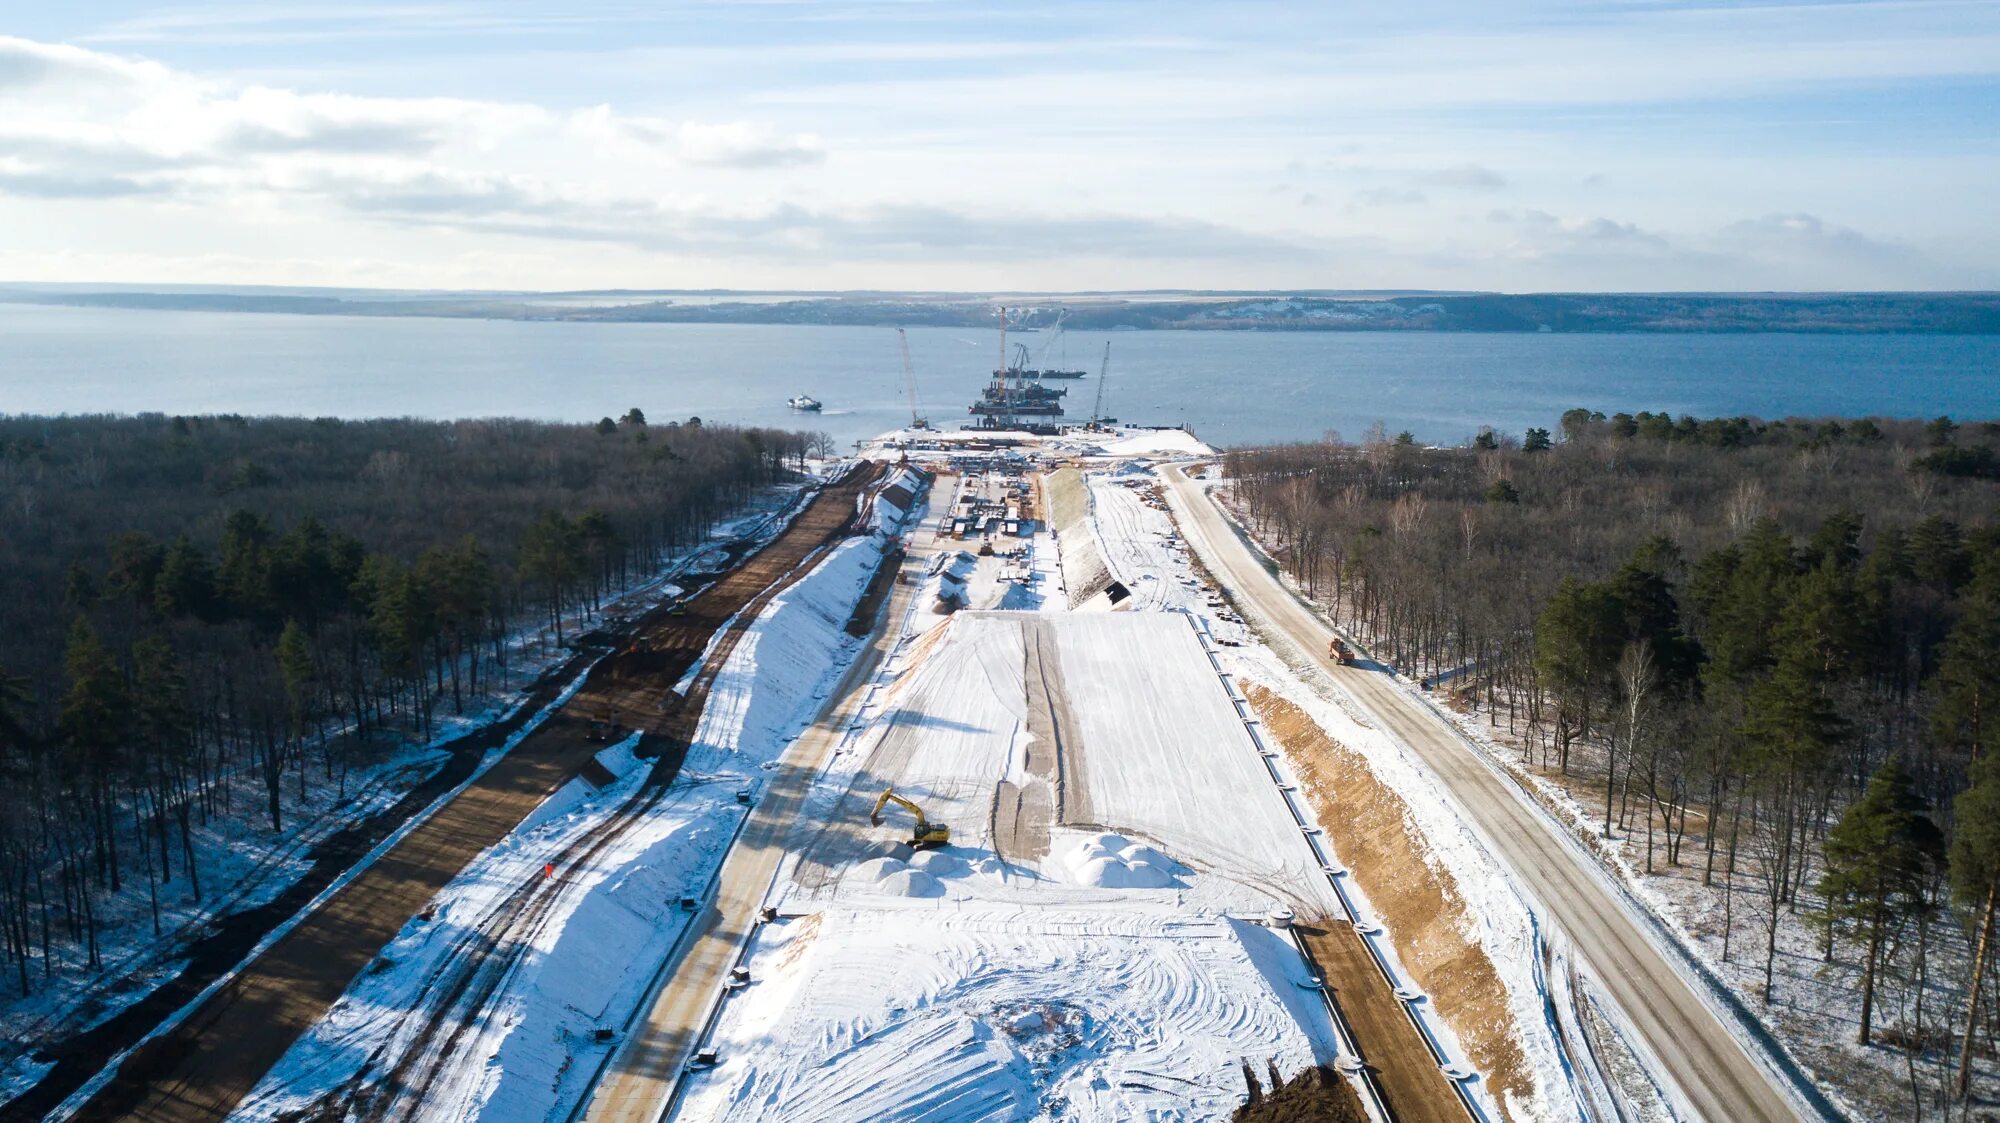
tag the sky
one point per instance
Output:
(1537, 145)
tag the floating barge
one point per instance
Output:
(1015, 400)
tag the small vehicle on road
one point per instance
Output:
(1338, 651)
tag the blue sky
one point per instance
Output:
(1465, 145)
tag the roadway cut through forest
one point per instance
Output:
(202, 1068)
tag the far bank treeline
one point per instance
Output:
(1773, 648)
(196, 611)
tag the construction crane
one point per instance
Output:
(926, 834)
(1097, 411)
(917, 420)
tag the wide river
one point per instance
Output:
(1232, 387)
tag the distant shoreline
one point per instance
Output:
(1567, 313)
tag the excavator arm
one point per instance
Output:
(927, 833)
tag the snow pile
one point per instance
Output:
(1158, 442)
(1110, 861)
(907, 882)
(875, 869)
(898, 878)
(937, 863)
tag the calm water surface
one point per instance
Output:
(1233, 387)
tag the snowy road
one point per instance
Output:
(642, 1075)
(1716, 1076)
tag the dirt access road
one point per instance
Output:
(1692, 1047)
(202, 1068)
(640, 1082)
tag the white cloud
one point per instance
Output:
(836, 144)
(1470, 177)
(1390, 197)
(731, 144)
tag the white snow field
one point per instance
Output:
(1003, 1014)
(1166, 757)
(527, 1049)
(1112, 971)
(1157, 754)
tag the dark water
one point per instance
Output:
(1233, 387)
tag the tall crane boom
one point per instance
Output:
(917, 419)
(1097, 411)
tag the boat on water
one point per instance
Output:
(805, 403)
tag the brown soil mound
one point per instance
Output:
(1418, 903)
(1317, 1095)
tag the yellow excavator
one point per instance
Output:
(927, 833)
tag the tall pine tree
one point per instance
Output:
(1876, 859)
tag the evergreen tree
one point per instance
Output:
(1975, 881)
(135, 564)
(1793, 724)
(311, 569)
(1876, 859)
(1966, 718)
(1744, 593)
(80, 588)
(186, 584)
(1937, 554)
(96, 710)
(94, 720)
(244, 573)
(1837, 542)
(1649, 612)
(1577, 642)
(295, 667)
(13, 709)
(549, 558)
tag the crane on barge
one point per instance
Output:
(917, 419)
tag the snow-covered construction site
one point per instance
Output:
(998, 784)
